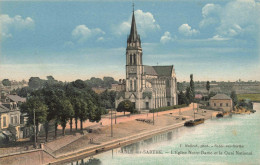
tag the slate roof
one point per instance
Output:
(158, 70)
(3, 109)
(149, 70)
(220, 97)
(16, 98)
(163, 70)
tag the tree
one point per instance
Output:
(24, 92)
(188, 95)
(83, 113)
(6, 82)
(234, 98)
(65, 113)
(180, 86)
(51, 96)
(37, 105)
(108, 81)
(124, 106)
(208, 86)
(108, 99)
(35, 82)
(211, 94)
(192, 88)
(51, 80)
(182, 99)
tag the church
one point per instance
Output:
(147, 87)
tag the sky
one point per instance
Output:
(213, 40)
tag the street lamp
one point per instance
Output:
(153, 116)
(115, 116)
(111, 123)
(35, 143)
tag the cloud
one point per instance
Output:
(234, 19)
(100, 39)
(186, 30)
(82, 33)
(219, 38)
(13, 24)
(167, 37)
(145, 22)
(210, 14)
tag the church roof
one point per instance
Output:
(220, 97)
(133, 37)
(158, 70)
(149, 70)
(163, 70)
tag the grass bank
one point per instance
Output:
(167, 108)
(252, 97)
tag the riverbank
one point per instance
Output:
(126, 131)
(124, 134)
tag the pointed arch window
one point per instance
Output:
(131, 59)
(134, 59)
(135, 85)
(131, 85)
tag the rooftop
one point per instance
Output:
(220, 97)
(16, 98)
(3, 109)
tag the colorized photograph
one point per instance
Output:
(129, 82)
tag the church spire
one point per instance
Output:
(133, 37)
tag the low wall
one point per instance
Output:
(34, 157)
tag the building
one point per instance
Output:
(147, 87)
(118, 87)
(221, 101)
(11, 120)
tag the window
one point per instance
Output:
(133, 104)
(167, 83)
(130, 59)
(12, 120)
(15, 120)
(214, 104)
(221, 104)
(135, 85)
(168, 104)
(134, 59)
(227, 104)
(131, 85)
(4, 121)
(147, 105)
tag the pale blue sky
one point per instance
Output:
(214, 40)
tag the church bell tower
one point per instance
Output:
(134, 62)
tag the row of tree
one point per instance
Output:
(61, 103)
(189, 95)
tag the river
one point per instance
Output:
(229, 140)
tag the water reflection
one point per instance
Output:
(214, 131)
(91, 161)
(137, 147)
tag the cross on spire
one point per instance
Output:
(133, 6)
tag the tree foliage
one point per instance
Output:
(234, 98)
(6, 82)
(35, 106)
(63, 102)
(98, 82)
(192, 89)
(125, 106)
(182, 99)
(208, 86)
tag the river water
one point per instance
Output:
(229, 140)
